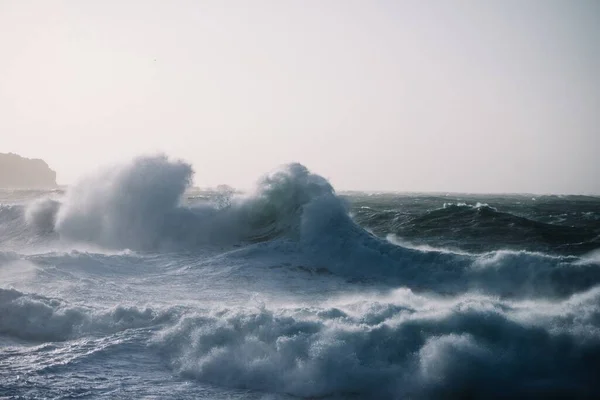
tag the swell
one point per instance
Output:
(481, 228)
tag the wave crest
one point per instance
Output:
(401, 346)
(41, 319)
(140, 205)
(128, 206)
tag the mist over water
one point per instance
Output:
(132, 284)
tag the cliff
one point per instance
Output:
(17, 172)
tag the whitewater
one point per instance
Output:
(132, 284)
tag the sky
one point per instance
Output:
(463, 96)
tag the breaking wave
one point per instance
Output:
(140, 206)
(401, 345)
(128, 267)
(41, 319)
(294, 212)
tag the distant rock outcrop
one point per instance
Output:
(17, 172)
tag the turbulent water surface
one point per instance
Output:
(130, 285)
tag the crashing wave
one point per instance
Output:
(140, 206)
(396, 346)
(40, 319)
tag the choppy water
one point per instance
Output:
(129, 286)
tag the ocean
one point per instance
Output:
(131, 284)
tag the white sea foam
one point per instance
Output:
(139, 206)
(391, 347)
(278, 291)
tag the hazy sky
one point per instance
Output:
(483, 96)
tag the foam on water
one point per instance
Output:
(279, 291)
(42, 319)
(391, 345)
(139, 206)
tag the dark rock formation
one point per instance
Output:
(17, 172)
